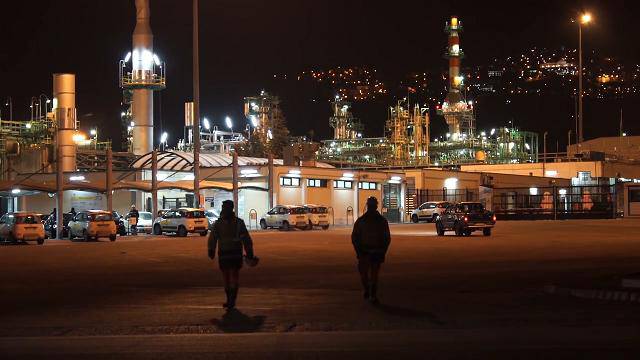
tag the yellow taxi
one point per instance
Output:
(22, 226)
(93, 224)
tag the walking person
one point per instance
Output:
(371, 239)
(230, 236)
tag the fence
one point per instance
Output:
(553, 202)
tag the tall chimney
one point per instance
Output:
(64, 109)
(142, 71)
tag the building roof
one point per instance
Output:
(183, 161)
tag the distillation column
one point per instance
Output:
(142, 66)
(64, 110)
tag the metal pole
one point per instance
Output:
(568, 140)
(59, 191)
(544, 154)
(154, 183)
(270, 180)
(235, 180)
(196, 109)
(109, 184)
(580, 117)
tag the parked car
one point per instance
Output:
(93, 224)
(22, 226)
(145, 222)
(182, 221)
(119, 221)
(51, 227)
(465, 218)
(156, 229)
(429, 211)
(285, 217)
(212, 215)
(318, 215)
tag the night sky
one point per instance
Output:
(244, 42)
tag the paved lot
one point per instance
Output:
(159, 297)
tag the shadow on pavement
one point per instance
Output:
(234, 321)
(409, 313)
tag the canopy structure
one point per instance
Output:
(8, 188)
(183, 161)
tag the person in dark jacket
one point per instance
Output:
(371, 239)
(134, 216)
(230, 236)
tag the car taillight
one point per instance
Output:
(466, 219)
(494, 218)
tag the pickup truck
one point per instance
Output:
(465, 218)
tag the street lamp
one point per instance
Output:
(229, 123)
(584, 20)
(46, 106)
(206, 123)
(163, 140)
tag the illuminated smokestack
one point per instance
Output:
(454, 54)
(143, 76)
(64, 110)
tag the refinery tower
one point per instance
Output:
(458, 113)
(141, 73)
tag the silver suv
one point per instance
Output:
(285, 217)
(429, 211)
(181, 222)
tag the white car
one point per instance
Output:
(181, 222)
(429, 211)
(145, 222)
(285, 217)
(93, 224)
(212, 215)
(22, 226)
(318, 215)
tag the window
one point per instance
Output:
(321, 183)
(289, 181)
(342, 184)
(366, 185)
(584, 175)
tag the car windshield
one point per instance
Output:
(318, 210)
(100, 217)
(299, 210)
(474, 207)
(28, 219)
(145, 216)
(211, 213)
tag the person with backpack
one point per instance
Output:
(230, 236)
(371, 239)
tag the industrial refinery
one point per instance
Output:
(48, 163)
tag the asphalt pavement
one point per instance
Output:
(451, 297)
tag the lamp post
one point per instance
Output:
(584, 20)
(163, 140)
(32, 104)
(196, 106)
(229, 124)
(94, 136)
(46, 104)
(544, 154)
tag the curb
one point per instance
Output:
(598, 294)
